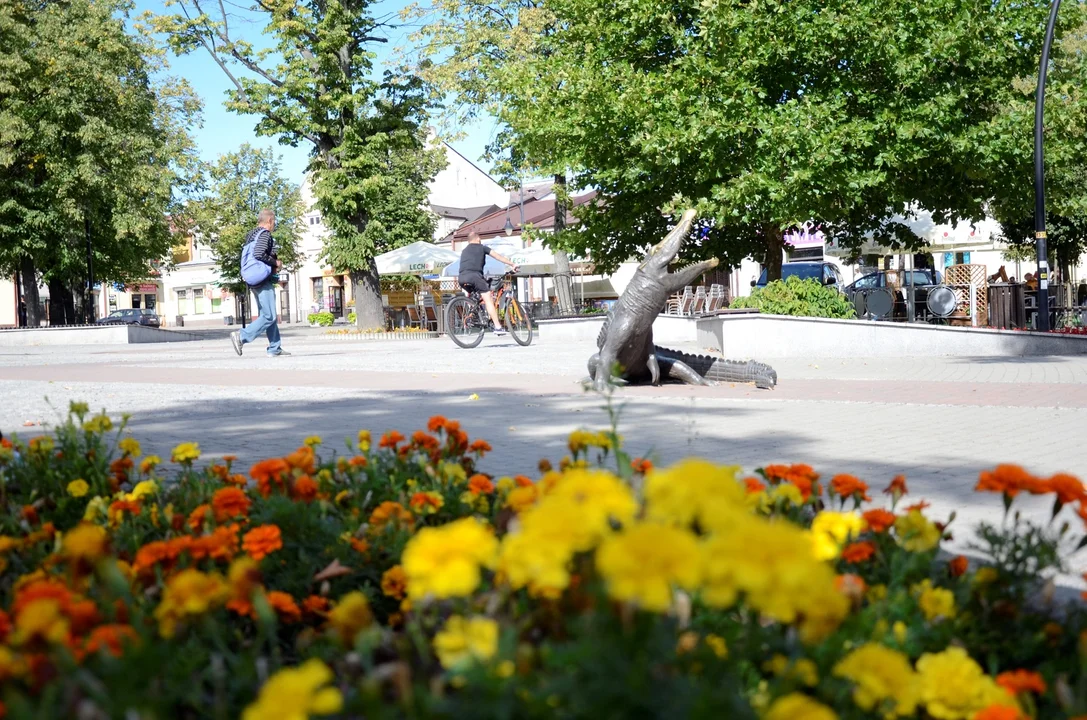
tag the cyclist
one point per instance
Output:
(471, 277)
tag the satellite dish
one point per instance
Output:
(941, 301)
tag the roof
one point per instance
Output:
(538, 213)
(533, 191)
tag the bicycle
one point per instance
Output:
(466, 315)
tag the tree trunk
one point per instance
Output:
(563, 285)
(366, 288)
(29, 279)
(775, 243)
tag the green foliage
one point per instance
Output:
(371, 160)
(240, 184)
(322, 319)
(799, 298)
(89, 141)
(351, 317)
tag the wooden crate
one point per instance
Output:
(960, 277)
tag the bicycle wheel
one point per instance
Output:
(518, 322)
(462, 323)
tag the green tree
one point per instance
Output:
(768, 114)
(94, 154)
(239, 185)
(371, 160)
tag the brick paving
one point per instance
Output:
(938, 420)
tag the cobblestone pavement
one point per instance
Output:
(938, 420)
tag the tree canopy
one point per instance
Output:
(90, 144)
(316, 85)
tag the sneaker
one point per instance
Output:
(281, 353)
(236, 341)
(499, 332)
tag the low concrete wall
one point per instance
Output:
(91, 335)
(666, 329)
(777, 336)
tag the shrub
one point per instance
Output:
(323, 319)
(800, 298)
(394, 581)
(351, 317)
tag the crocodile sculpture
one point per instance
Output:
(626, 339)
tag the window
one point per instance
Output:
(136, 301)
(319, 292)
(149, 301)
(315, 220)
(216, 304)
(868, 281)
(198, 301)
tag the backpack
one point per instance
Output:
(254, 271)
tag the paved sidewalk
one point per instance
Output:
(939, 421)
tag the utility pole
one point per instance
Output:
(1039, 176)
(89, 308)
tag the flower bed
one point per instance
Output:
(393, 580)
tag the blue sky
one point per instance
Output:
(225, 131)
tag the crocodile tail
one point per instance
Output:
(603, 334)
(718, 369)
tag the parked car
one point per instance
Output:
(134, 316)
(827, 272)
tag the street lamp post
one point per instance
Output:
(1039, 176)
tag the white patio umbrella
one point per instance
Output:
(541, 261)
(419, 258)
(490, 267)
(964, 236)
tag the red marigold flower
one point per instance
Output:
(1067, 488)
(424, 440)
(958, 565)
(850, 486)
(197, 517)
(919, 506)
(480, 485)
(219, 545)
(285, 606)
(436, 423)
(269, 473)
(426, 503)
(1021, 681)
(879, 519)
(999, 712)
(5, 625)
(305, 489)
(30, 514)
(754, 485)
(858, 552)
(391, 439)
(641, 465)
(230, 502)
(480, 446)
(262, 541)
(360, 545)
(111, 638)
(315, 606)
(1009, 480)
(897, 488)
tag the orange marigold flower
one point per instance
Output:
(858, 552)
(197, 517)
(111, 638)
(480, 485)
(897, 488)
(641, 465)
(919, 506)
(305, 489)
(426, 503)
(285, 606)
(387, 513)
(120, 468)
(957, 566)
(852, 586)
(394, 582)
(1000, 712)
(803, 476)
(222, 544)
(47, 589)
(230, 502)
(262, 541)
(878, 519)
(30, 514)
(163, 553)
(850, 486)
(522, 481)
(436, 423)
(360, 545)
(391, 439)
(268, 473)
(84, 615)
(303, 459)
(315, 606)
(118, 508)
(1009, 480)
(1021, 681)
(480, 446)
(754, 485)
(458, 439)
(1067, 488)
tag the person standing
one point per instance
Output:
(259, 266)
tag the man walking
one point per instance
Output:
(259, 266)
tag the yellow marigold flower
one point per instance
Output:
(86, 542)
(522, 498)
(394, 582)
(143, 489)
(504, 484)
(934, 602)
(605, 497)
(986, 575)
(296, 693)
(190, 593)
(185, 452)
(915, 532)
(645, 562)
(694, 490)
(883, 680)
(801, 670)
(900, 631)
(350, 615)
(11, 664)
(130, 446)
(149, 463)
(716, 643)
(78, 408)
(98, 424)
(831, 530)
(954, 687)
(97, 509)
(78, 488)
(41, 619)
(526, 560)
(445, 561)
(466, 640)
(312, 441)
(453, 473)
(786, 492)
(364, 441)
(797, 706)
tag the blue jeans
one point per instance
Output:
(266, 307)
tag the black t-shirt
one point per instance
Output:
(472, 258)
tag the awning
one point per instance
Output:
(541, 261)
